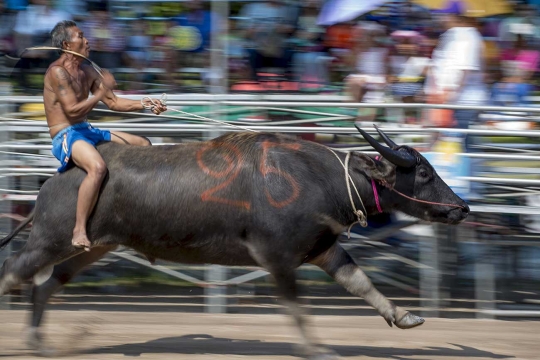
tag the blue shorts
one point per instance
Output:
(64, 140)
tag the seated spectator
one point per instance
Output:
(408, 68)
(523, 52)
(513, 89)
(370, 60)
(7, 23)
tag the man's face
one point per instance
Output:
(78, 42)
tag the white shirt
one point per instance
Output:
(460, 49)
(38, 19)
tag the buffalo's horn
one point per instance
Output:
(399, 158)
(386, 139)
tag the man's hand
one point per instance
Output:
(156, 107)
(108, 80)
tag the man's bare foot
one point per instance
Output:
(81, 240)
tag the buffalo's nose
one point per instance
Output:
(466, 208)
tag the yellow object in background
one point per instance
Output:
(37, 108)
(474, 8)
(448, 148)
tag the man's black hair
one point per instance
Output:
(61, 33)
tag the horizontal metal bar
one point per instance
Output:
(381, 105)
(512, 313)
(15, 126)
(500, 156)
(505, 209)
(291, 101)
(499, 180)
(27, 170)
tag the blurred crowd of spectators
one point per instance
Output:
(402, 53)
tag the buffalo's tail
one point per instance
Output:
(22, 225)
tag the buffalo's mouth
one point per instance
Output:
(450, 216)
(457, 215)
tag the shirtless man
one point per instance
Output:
(67, 85)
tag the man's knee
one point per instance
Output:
(98, 169)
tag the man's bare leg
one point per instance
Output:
(87, 158)
(119, 137)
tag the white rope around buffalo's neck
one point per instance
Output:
(361, 216)
(163, 101)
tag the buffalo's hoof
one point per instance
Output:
(408, 321)
(34, 341)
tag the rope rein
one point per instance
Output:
(163, 100)
(421, 201)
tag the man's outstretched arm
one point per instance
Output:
(116, 103)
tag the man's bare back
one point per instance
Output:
(67, 85)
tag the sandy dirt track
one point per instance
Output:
(117, 335)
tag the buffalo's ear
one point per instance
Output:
(381, 170)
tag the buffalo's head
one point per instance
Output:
(416, 178)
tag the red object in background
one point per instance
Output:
(339, 36)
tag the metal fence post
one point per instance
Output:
(5, 206)
(484, 282)
(215, 300)
(429, 276)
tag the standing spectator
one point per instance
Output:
(192, 37)
(138, 53)
(193, 34)
(32, 28)
(33, 25)
(456, 75)
(309, 61)
(267, 26)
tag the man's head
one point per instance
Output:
(66, 35)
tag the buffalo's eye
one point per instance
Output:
(424, 173)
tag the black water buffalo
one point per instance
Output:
(248, 199)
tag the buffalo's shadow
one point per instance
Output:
(207, 344)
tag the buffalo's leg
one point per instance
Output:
(338, 264)
(48, 283)
(288, 292)
(285, 279)
(27, 263)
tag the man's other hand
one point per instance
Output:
(156, 106)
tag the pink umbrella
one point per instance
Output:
(405, 34)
